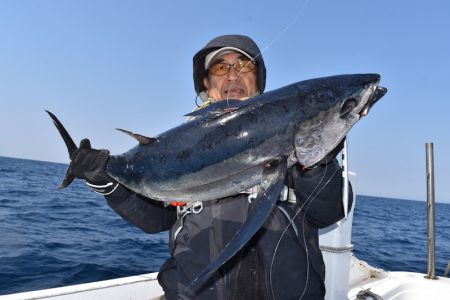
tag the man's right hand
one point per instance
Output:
(90, 164)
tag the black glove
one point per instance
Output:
(90, 164)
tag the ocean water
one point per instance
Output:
(51, 238)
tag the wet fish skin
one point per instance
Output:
(220, 154)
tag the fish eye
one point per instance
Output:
(347, 107)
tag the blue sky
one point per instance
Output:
(99, 65)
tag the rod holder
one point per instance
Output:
(431, 273)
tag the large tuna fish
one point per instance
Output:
(231, 146)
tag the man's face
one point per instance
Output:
(232, 85)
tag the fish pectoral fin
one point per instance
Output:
(269, 191)
(223, 111)
(142, 139)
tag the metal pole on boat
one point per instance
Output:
(345, 178)
(431, 215)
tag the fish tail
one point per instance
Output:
(71, 147)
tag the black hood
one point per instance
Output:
(238, 41)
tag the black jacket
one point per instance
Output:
(281, 261)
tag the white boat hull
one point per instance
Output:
(364, 278)
(403, 286)
(131, 288)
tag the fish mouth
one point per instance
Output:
(379, 92)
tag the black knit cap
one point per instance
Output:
(238, 41)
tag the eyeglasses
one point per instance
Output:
(240, 66)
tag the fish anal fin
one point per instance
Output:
(269, 191)
(142, 139)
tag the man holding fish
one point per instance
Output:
(282, 260)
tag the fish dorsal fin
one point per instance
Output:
(142, 139)
(217, 108)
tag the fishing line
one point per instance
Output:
(299, 13)
(303, 225)
(283, 233)
(282, 32)
(307, 202)
(285, 230)
(269, 45)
